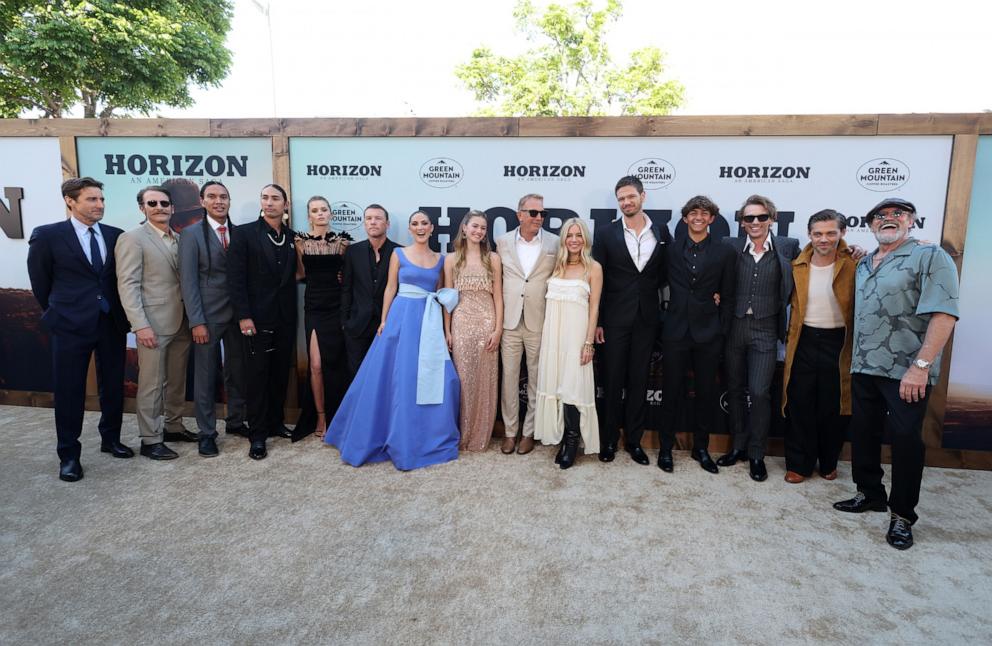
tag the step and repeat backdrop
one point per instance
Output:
(446, 177)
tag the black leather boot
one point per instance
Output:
(570, 443)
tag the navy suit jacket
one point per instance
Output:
(65, 284)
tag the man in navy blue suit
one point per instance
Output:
(74, 279)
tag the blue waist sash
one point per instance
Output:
(433, 348)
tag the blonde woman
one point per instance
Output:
(473, 331)
(566, 391)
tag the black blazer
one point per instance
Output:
(361, 301)
(65, 284)
(259, 290)
(691, 309)
(630, 297)
(786, 250)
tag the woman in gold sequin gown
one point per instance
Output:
(473, 330)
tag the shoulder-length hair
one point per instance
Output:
(585, 256)
(461, 246)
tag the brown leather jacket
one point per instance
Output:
(844, 268)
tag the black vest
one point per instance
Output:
(758, 285)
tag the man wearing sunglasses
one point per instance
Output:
(764, 287)
(905, 308)
(528, 255)
(148, 282)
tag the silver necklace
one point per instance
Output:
(282, 238)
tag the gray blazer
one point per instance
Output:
(203, 274)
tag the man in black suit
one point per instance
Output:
(632, 251)
(203, 276)
(74, 278)
(701, 288)
(261, 280)
(764, 287)
(366, 268)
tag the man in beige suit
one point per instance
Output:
(528, 255)
(148, 282)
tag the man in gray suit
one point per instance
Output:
(203, 277)
(148, 282)
(764, 287)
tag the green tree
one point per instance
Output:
(568, 71)
(109, 55)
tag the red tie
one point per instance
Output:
(222, 230)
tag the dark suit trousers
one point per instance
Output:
(626, 360)
(871, 398)
(816, 430)
(206, 358)
(269, 356)
(70, 361)
(676, 358)
(356, 348)
(750, 365)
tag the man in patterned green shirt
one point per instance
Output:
(906, 305)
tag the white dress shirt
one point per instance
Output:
(83, 234)
(758, 253)
(528, 252)
(639, 246)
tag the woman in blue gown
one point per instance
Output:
(403, 403)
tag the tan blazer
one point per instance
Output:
(523, 296)
(148, 280)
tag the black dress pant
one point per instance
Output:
(70, 361)
(875, 405)
(356, 348)
(752, 352)
(626, 361)
(270, 354)
(676, 358)
(816, 431)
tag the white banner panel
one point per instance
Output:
(447, 176)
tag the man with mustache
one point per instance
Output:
(905, 308)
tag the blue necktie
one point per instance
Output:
(95, 258)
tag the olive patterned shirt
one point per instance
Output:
(893, 304)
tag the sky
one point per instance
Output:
(380, 58)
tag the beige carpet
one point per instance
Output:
(490, 549)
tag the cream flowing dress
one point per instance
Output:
(560, 377)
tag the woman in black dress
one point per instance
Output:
(320, 254)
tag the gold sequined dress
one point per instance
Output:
(472, 323)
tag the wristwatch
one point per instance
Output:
(921, 364)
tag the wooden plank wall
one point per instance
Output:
(965, 128)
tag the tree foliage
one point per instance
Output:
(568, 71)
(109, 55)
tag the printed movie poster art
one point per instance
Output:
(968, 416)
(125, 165)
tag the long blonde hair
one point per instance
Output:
(585, 256)
(461, 246)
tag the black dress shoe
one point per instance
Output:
(638, 455)
(180, 436)
(758, 471)
(241, 430)
(860, 504)
(70, 470)
(257, 450)
(702, 456)
(208, 447)
(117, 450)
(732, 458)
(281, 431)
(158, 451)
(665, 461)
(900, 534)
(607, 453)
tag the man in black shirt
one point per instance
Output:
(366, 268)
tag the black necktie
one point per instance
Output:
(95, 258)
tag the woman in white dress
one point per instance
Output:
(566, 391)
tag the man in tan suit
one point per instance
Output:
(528, 255)
(148, 282)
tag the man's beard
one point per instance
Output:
(888, 236)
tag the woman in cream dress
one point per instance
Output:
(566, 391)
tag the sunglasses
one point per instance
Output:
(534, 213)
(761, 217)
(894, 215)
(154, 203)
